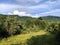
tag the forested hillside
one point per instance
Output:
(19, 30)
(51, 18)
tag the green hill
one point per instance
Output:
(51, 18)
(47, 18)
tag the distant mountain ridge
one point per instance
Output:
(47, 18)
(51, 18)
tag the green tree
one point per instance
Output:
(11, 25)
(40, 23)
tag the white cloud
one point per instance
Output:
(9, 13)
(35, 16)
(37, 1)
(55, 12)
(47, 4)
(26, 1)
(32, 8)
(16, 12)
(38, 6)
(9, 7)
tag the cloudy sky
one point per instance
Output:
(34, 8)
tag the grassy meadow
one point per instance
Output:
(20, 39)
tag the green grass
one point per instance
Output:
(20, 39)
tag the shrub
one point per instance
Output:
(41, 40)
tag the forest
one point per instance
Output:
(23, 30)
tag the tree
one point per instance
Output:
(3, 32)
(40, 23)
(11, 25)
(52, 28)
(40, 18)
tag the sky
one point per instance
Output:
(33, 8)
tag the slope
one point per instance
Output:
(20, 39)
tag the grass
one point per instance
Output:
(20, 39)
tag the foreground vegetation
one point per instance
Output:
(20, 39)
(15, 30)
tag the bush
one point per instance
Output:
(57, 38)
(41, 40)
(54, 29)
(9, 26)
(3, 33)
(40, 23)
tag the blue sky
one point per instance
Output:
(33, 8)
